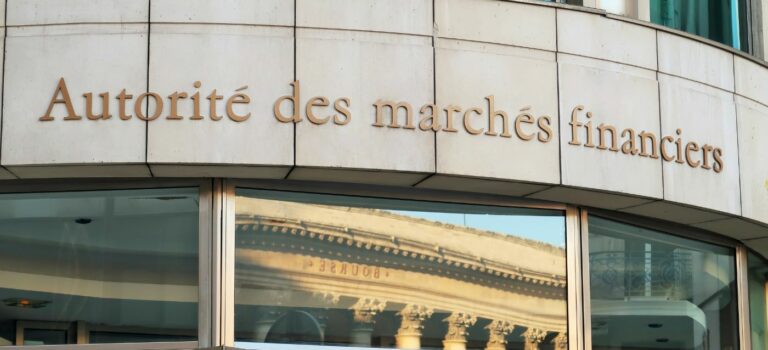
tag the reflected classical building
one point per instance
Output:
(320, 274)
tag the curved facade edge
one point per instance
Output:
(510, 98)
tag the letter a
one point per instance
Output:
(61, 88)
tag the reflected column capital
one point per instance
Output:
(456, 337)
(412, 322)
(533, 337)
(365, 309)
(561, 341)
(497, 334)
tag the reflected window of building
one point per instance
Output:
(329, 270)
(651, 290)
(99, 267)
(758, 308)
(724, 21)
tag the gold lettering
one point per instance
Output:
(121, 98)
(140, 100)
(601, 131)
(691, 147)
(343, 110)
(394, 108)
(174, 99)
(61, 88)
(545, 124)
(574, 123)
(469, 127)
(318, 101)
(450, 110)
(104, 106)
(588, 127)
(212, 98)
(705, 159)
(296, 117)
(679, 144)
(651, 138)
(629, 146)
(663, 148)
(492, 114)
(196, 102)
(239, 98)
(717, 154)
(526, 118)
(428, 122)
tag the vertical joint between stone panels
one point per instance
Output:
(434, 82)
(559, 116)
(295, 76)
(738, 142)
(661, 122)
(2, 85)
(146, 112)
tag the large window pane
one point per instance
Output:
(366, 272)
(98, 267)
(723, 21)
(758, 281)
(651, 290)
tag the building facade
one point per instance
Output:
(410, 174)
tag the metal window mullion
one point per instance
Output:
(573, 271)
(742, 292)
(215, 225)
(228, 263)
(205, 258)
(586, 298)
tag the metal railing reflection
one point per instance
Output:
(618, 275)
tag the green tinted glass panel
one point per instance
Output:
(99, 266)
(651, 290)
(723, 21)
(758, 278)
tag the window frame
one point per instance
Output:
(205, 245)
(574, 314)
(679, 230)
(217, 246)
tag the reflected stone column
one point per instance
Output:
(456, 338)
(364, 311)
(409, 334)
(561, 341)
(265, 323)
(533, 337)
(497, 334)
(321, 315)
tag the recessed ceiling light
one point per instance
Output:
(83, 221)
(25, 303)
(655, 325)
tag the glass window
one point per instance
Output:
(724, 21)
(98, 266)
(651, 290)
(367, 272)
(758, 281)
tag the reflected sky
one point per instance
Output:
(547, 229)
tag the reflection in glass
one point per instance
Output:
(368, 272)
(758, 283)
(651, 290)
(724, 21)
(98, 267)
